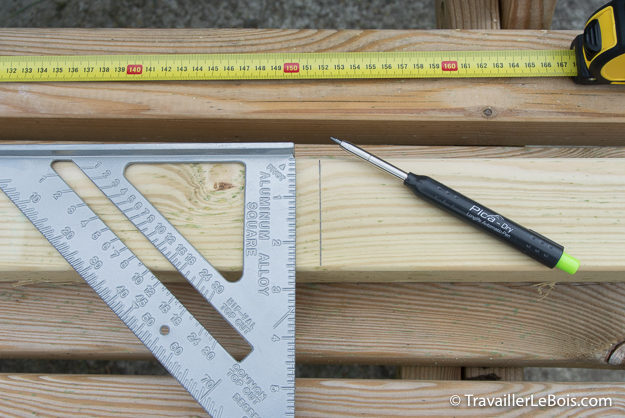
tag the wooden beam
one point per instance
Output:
(434, 111)
(65, 396)
(500, 325)
(372, 228)
(527, 14)
(465, 14)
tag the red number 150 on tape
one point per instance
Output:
(291, 67)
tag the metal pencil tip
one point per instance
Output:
(359, 152)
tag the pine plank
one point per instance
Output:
(434, 111)
(465, 14)
(527, 14)
(64, 396)
(368, 227)
(443, 324)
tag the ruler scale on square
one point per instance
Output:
(260, 306)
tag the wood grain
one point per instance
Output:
(50, 41)
(367, 227)
(442, 152)
(527, 14)
(435, 111)
(443, 324)
(465, 14)
(64, 396)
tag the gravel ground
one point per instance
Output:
(344, 14)
(380, 14)
(317, 14)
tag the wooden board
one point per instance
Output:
(63, 396)
(465, 14)
(527, 14)
(356, 223)
(434, 111)
(442, 324)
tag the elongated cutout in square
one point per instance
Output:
(228, 337)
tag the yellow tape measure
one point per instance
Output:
(454, 64)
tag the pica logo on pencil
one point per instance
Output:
(498, 219)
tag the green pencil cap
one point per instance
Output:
(568, 263)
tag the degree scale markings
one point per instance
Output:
(455, 64)
(262, 384)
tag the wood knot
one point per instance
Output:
(489, 112)
(616, 356)
(223, 186)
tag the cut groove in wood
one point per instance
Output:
(507, 374)
(429, 372)
(467, 14)
(434, 111)
(500, 325)
(373, 228)
(64, 396)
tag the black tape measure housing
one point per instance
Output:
(600, 50)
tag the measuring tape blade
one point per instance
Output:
(448, 64)
(260, 306)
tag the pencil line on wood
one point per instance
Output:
(320, 246)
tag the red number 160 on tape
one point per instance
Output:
(450, 65)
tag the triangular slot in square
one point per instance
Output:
(143, 176)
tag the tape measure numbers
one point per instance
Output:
(522, 63)
(596, 57)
